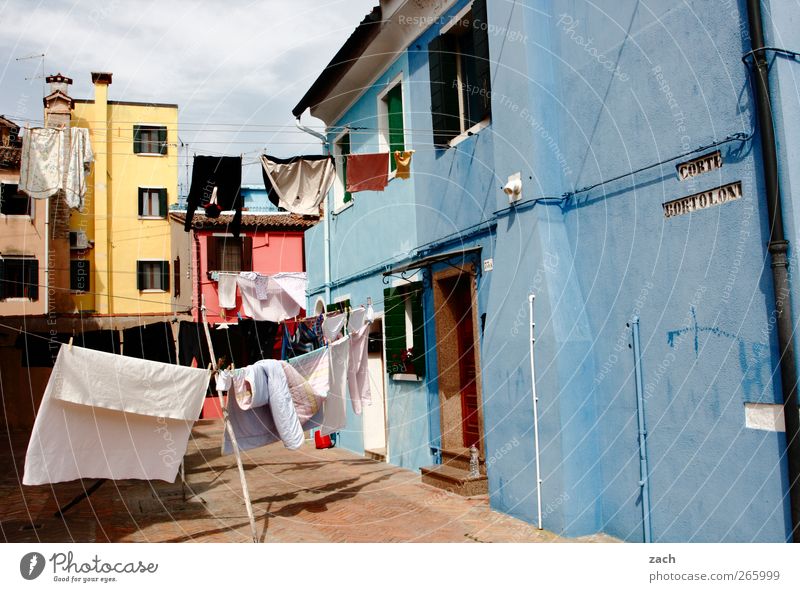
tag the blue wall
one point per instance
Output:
(582, 95)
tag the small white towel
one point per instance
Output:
(227, 290)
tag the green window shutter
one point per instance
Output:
(394, 326)
(2, 279)
(165, 276)
(481, 107)
(79, 275)
(140, 276)
(418, 322)
(162, 203)
(162, 140)
(137, 139)
(141, 201)
(345, 146)
(444, 94)
(31, 276)
(394, 100)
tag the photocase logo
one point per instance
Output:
(31, 565)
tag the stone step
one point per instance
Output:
(459, 459)
(455, 480)
(378, 454)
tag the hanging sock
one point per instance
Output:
(298, 184)
(402, 159)
(220, 174)
(367, 172)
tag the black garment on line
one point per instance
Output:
(192, 345)
(224, 173)
(258, 338)
(152, 342)
(40, 350)
(272, 195)
(228, 344)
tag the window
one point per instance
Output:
(404, 325)
(152, 275)
(152, 202)
(341, 148)
(13, 203)
(78, 240)
(390, 111)
(149, 139)
(459, 72)
(79, 275)
(225, 253)
(176, 276)
(19, 278)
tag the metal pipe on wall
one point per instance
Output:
(531, 298)
(644, 480)
(778, 249)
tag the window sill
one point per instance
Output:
(152, 217)
(18, 299)
(153, 291)
(406, 377)
(470, 132)
(349, 204)
(148, 154)
(26, 216)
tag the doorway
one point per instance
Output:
(374, 416)
(457, 348)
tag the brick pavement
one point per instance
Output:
(301, 496)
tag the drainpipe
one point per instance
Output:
(531, 298)
(644, 480)
(327, 221)
(778, 249)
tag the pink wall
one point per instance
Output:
(273, 252)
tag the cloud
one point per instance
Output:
(222, 62)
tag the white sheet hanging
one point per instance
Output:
(110, 416)
(226, 290)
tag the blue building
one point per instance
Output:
(632, 134)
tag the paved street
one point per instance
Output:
(303, 496)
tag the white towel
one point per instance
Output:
(334, 417)
(294, 284)
(278, 306)
(227, 290)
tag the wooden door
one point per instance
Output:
(466, 363)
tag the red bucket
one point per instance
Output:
(321, 441)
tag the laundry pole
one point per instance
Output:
(531, 298)
(227, 427)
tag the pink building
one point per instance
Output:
(269, 243)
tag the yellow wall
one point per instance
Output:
(112, 218)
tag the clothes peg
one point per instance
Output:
(69, 346)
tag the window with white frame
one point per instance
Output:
(459, 72)
(152, 202)
(341, 148)
(152, 276)
(391, 121)
(19, 278)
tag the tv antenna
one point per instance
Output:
(42, 76)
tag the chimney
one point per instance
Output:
(58, 104)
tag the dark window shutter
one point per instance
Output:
(444, 94)
(32, 278)
(162, 203)
(176, 276)
(394, 100)
(345, 146)
(162, 140)
(480, 47)
(140, 276)
(141, 201)
(394, 326)
(418, 322)
(79, 275)
(247, 253)
(137, 139)
(211, 254)
(2, 279)
(165, 276)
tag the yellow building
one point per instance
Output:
(120, 242)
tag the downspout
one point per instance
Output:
(778, 249)
(531, 298)
(198, 269)
(644, 480)
(327, 221)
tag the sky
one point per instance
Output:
(234, 68)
